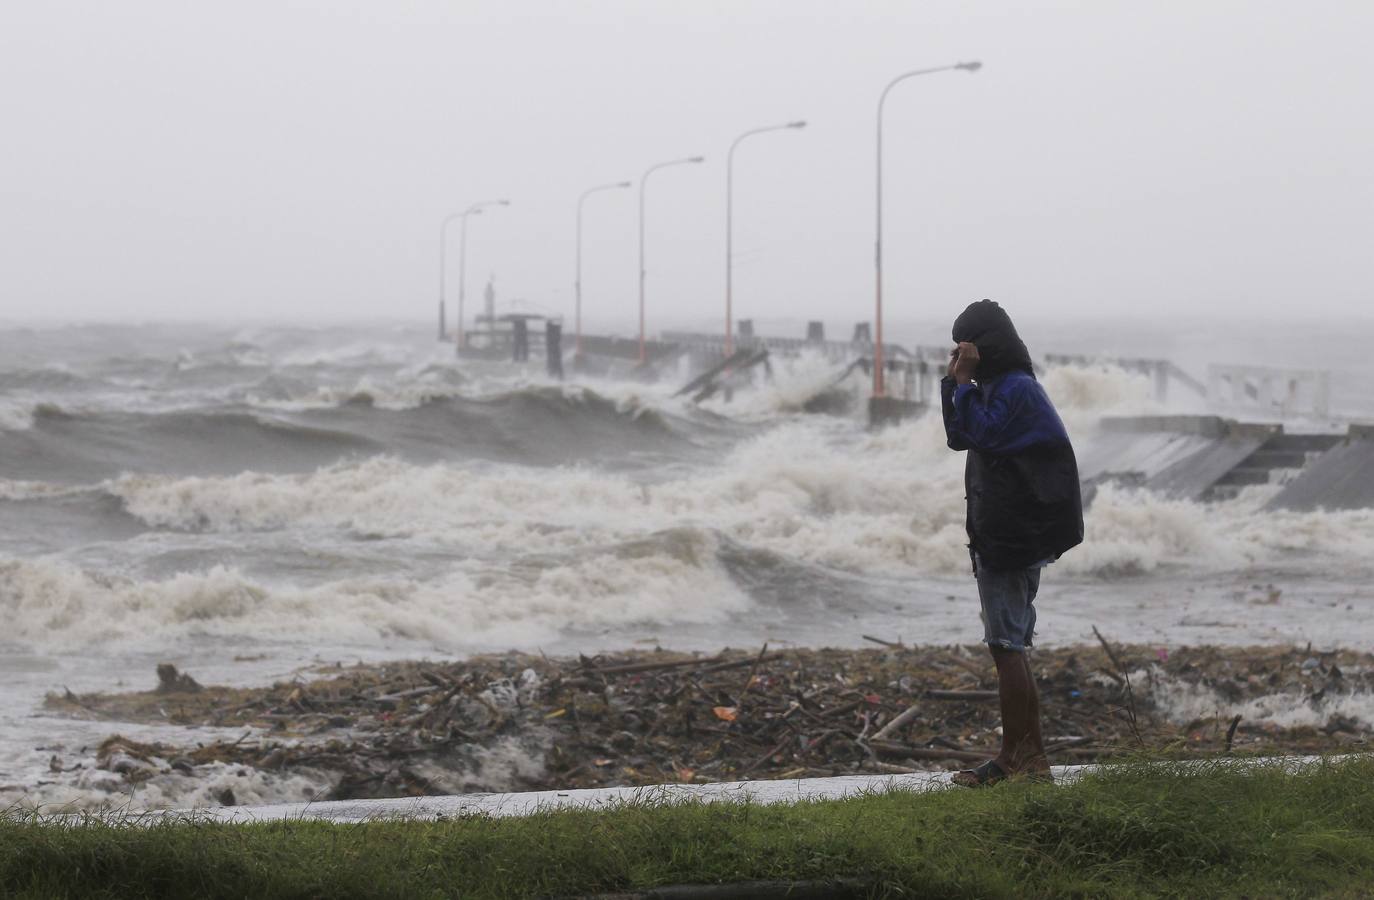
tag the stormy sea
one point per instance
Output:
(245, 502)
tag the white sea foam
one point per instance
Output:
(35, 490)
(15, 415)
(1096, 390)
(365, 352)
(883, 503)
(505, 764)
(672, 579)
(91, 788)
(792, 383)
(532, 551)
(1184, 702)
(415, 387)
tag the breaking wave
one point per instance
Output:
(674, 577)
(889, 504)
(67, 446)
(536, 425)
(514, 510)
(48, 378)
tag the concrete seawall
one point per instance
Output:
(1341, 478)
(1178, 456)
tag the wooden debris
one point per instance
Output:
(413, 728)
(170, 681)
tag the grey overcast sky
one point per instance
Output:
(292, 158)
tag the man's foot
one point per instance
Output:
(983, 775)
(988, 773)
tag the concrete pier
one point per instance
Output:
(1179, 456)
(1211, 458)
(1340, 478)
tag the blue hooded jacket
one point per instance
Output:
(1009, 414)
(1021, 477)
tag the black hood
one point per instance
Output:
(1000, 349)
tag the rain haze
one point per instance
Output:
(166, 159)
(241, 445)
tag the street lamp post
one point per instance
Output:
(443, 260)
(643, 354)
(474, 209)
(878, 388)
(729, 227)
(577, 285)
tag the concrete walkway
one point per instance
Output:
(524, 804)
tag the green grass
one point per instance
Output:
(1130, 831)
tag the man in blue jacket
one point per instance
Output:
(1024, 510)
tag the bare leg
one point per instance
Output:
(1023, 747)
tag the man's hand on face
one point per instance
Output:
(965, 364)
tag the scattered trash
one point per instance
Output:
(646, 717)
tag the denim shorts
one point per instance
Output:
(1008, 599)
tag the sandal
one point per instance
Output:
(984, 775)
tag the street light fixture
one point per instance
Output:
(729, 227)
(474, 209)
(443, 267)
(577, 285)
(643, 179)
(878, 388)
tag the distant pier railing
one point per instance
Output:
(1287, 392)
(908, 375)
(713, 345)
(914, 373)
(1161, 372)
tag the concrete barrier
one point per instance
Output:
(1179, 456)
(1341, 478)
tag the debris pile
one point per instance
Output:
(415, 728)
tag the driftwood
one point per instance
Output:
(893, 748)
(712, 664)
(647, 718)
(970, 696)
(1125, 678)
(170, 681)
(1231, 732)
(898, 721)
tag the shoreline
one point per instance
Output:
(764, 793)
(518, 722)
